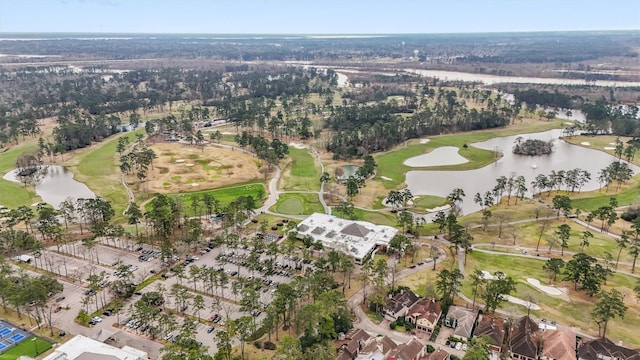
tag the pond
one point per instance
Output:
(446, 155)
(57, 185)
(564, 157)
(348, 170)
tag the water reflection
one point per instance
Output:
(564, 157)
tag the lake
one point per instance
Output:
(445, 155)
(564, 157)
(57, 185)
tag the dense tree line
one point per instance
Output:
(544, 98)
(358, 130)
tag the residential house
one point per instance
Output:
(436, 355)
(399, 304)
(559, 344)
(350, 344)
(377, 349)
(463, 320)
(424, 315)
(413, 350)
(524, 341)
(605, 349)
(493, 327)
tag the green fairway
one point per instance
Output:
(224, 195)
(302, 174)
(375, 217)
(298, 204)
(98, 168)
(26, 347)
(562, 310)
(423, 203)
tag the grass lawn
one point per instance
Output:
(372, 216)
(26, 347)
(302, 173)
(574, 312)
(298, 204)
(391, 164)
(14, 194)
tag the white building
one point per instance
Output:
(84, 348)
(354, 238)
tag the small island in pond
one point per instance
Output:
(532, 147)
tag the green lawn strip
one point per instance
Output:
(565, 312)
(298, 204)
(391, 163)
(14, 194)
(225, 195)
(375, 217)
(26, 347)
(304, 172)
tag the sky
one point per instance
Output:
(316, 16)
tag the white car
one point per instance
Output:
(458, 346)
(464, 347)
(168, 336)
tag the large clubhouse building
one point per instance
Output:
(357, 239)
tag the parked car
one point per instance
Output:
(210, 330)
(458, 345)
(57, 309)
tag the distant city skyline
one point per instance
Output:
(316, 17)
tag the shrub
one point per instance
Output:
(430, 349)
(631, 214)
(453, 357)
(268, 345)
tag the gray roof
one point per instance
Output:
(354, 229)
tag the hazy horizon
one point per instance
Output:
(311, 17)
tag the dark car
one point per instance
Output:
(108, 312)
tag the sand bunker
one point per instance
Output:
(179, 161)
(585, 143)
(298, 145)
(551, 290)
(609, 148)
(386, 178)
(424, 141)
(487, 275)
(189, 165)
(195, 184)
(518, 301)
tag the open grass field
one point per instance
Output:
(302, 173)
(298, 204)
(391, 164)
(14, 194)
(575, 312)
(26, 347)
